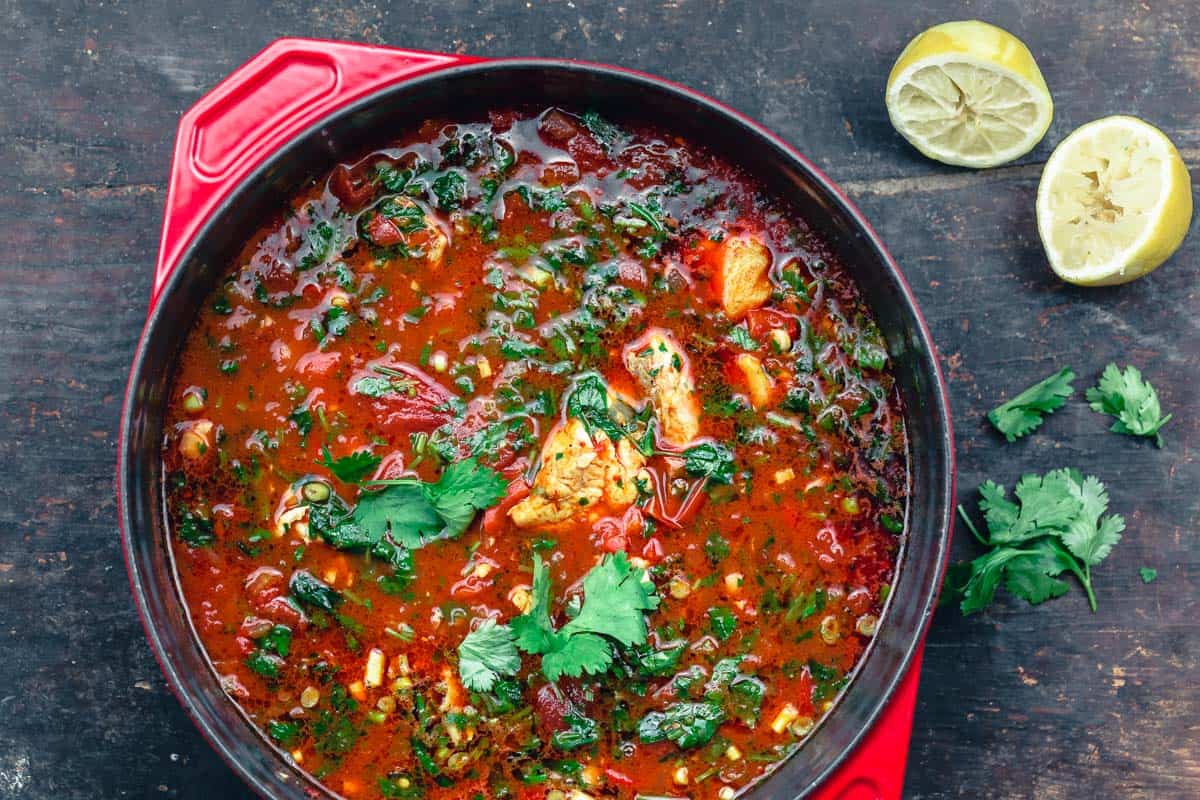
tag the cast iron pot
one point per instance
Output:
(300, 107)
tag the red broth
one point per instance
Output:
(644, 469)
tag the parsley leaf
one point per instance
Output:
(486, 654)
(1057, 525)
(1023, 413)
(352, 468)
(1133, 401)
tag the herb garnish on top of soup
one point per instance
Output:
(535, 457)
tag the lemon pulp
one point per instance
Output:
(1114, 202)
(969, 93)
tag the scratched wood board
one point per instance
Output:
(1019, 702)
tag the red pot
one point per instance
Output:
(300, 106)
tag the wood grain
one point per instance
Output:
(1045, 703)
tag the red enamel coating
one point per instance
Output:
(288, 87)
(282, 91)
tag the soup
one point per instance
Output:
(535, 457)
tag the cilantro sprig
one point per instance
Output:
(615, 597)
(1132, 400)
(415, 512)
(1057, 524)
(1025, 412)
(408, 513)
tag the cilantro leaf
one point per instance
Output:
(278, 639)
(1023, 413)
(1133, 401)
(533, 631)
(450, 190)
(721, 622)
(465, 488)
(986, 573)
(1047, 503)
(485, 654)
(1148, 574)
(1089, 538)
(415, 512)
(401, 509)
(580, 731)
(352, 468)
(286, 733)
(615, 597)
(606, 134)
(264, 664)
(1032, 576)
(311, 590)
(576, 655)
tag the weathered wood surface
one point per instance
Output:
(1051, 702)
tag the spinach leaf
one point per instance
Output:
(311, 590)
(685, 724)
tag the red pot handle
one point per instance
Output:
(875, 769)
(283, 90)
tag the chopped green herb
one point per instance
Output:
(685, 724)
(1133, 401)
(709, 460)
(1024, 413)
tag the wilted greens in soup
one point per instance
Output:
(535, 457)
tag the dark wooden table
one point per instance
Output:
(1019, 702)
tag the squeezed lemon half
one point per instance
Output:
(1114, 202)
(970, 94)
